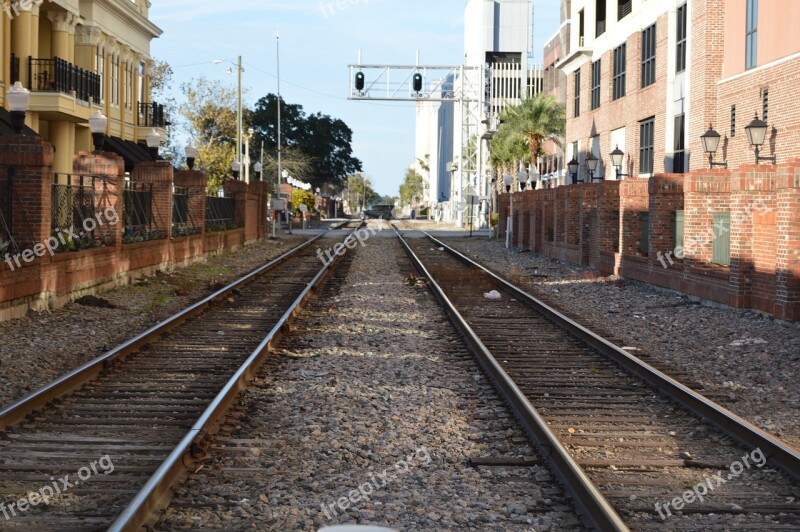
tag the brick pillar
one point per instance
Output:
(787, 227)
(535, 221)
(502, 209)
(634, 201)
(25, 188)
(260, 191)
(108, 191)
(666, 198)
(548, 220)
(559, 213)
(706, 191)
(588, 222)
(572, 212)
(608, 232)
(519, 209)
(160, 175)
(195, 183)
(238, 191)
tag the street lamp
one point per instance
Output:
(710, 140)
(18, 98)
(756, 133)
(573, 166)
(153, 142)
(616, 161)
(258, 167)
(97, 125)
(508, 181)
(236, 167)
(191, 155)
(591, 165)
(523, 179)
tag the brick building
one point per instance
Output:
(650, 77)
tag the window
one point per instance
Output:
(733, 120)
(577, 104)
(649, 56)
(114, 80)
(624, 8)
(751, 42)
(140, 81)
(646, 141)
(678, 164)
(596, 84)
(129, 85)
(581, 20)
(680, 64)
(600, 10)
(100, 68)
(765, 104)
(619, 71)
(721, 250)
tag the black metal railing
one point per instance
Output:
(58, 75)
(14, 69)
(82, 213)
(138, 214)
(183, 223)
(220, 214)
(151, 114)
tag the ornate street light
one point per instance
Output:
(591, 165)
(97, 125)
(616, 161)
(573, 166)
(523, 179)
(756, 133)
(258, 168)
(710, 140)
(508, 181)
(18, 99)
(153, 142)
(191, 154)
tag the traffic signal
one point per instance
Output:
(417, 82)
(359, 81)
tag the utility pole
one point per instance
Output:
(239, 110)
(278, 53)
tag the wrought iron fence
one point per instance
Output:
(82, 214)
(58, 75)
(151, 114)
(7, 244)
(138, 214)
(183, 223)
(220, 214)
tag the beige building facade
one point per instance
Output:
(78, 56)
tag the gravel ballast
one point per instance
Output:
(747, 362)
(42, 346)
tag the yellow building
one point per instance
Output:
(78, 56)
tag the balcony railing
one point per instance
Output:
(14, 69)
(151, 114)
(58, 75)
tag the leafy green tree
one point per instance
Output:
(359, 192)
(161, 80)
(303, 197)
(411, 187)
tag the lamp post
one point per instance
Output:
(249, 135)
(18, 99)
(573, 166)
(508, 181)
(710, 140)
(616, 161)
(523, 179)
(756, 133)
(258, 167)
(191, 154)
(591, 165)
(153, 142)
(97, 125)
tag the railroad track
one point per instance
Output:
(634, 448)
(144, 410)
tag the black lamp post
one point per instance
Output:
(97, 125)
(18, 99)
(591, 165)
(153, 142)
(756, 133)
(710, 140)
(573, 166)
(191, 155)
(616, 161)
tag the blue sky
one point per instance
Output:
(317, 44)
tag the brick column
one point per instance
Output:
(238, 191)
(108, 191)
(666, 198)
(26, 188)
(706, 191)
(787, 227)
(608, 231)
(634, 201)
(535, 222)
(261, 190)
(195, 183)
(502, 209)
(160, 175)
(588, 222)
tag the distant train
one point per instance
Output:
(381, 212)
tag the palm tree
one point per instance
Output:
(531, 122)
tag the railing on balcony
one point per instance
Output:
(183, 223)
(82, 214)
(14, 69)
(220, 214)
(151, 114)
(138, 214)
(58, 75)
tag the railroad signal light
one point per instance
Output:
(359, 81)
(417, 82)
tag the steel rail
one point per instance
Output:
(16, 411)
(594, 509)
(778, 452)
(150, 496)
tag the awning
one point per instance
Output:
(132, 152)
(5, 125)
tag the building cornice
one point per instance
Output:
(126, 11)
(576, 59)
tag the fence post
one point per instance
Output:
(160, 175)
(25, 188)
(111, 167)
(238, 191)
(195, 183)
